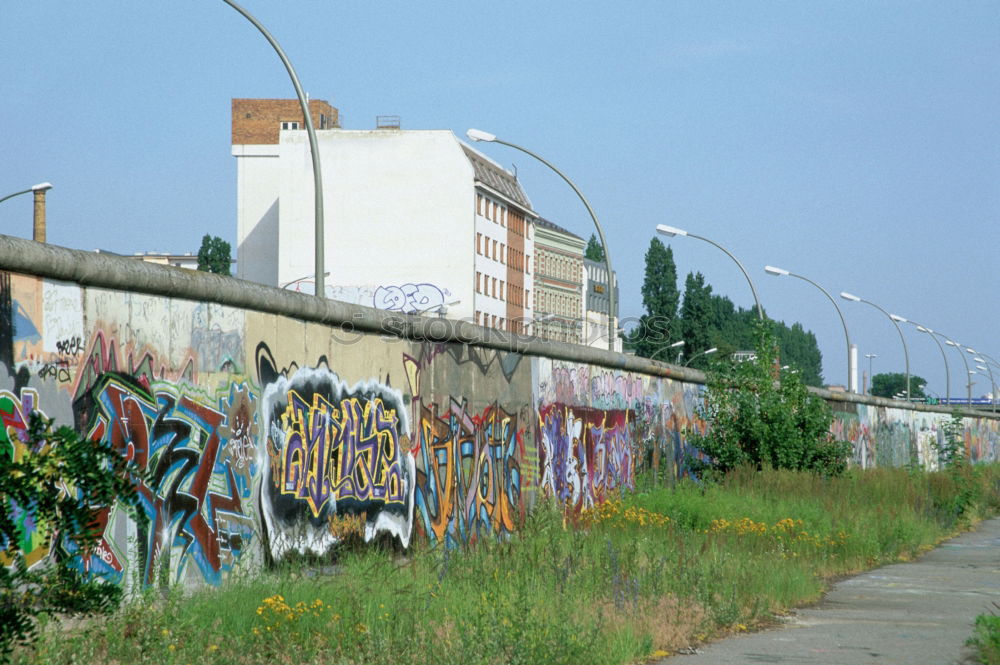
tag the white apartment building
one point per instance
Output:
(414, 219)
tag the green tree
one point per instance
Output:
(800, 351)
(894, 383)
(764, 417)
(58, 482)
(215, 255)
(660, 297)
(699, 317)
(594, 251)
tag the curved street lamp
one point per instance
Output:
(671, 231)
(479, 135)
(318, 269)
(968, 385)
(667, 348)
(852, 382)
(706, 352)
(40, 187)
(895, 321)
(38, 232)
(944, 356)
(985, 367)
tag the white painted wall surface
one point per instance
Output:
(399, 209)
(257, 170)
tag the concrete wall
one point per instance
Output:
(274, 422)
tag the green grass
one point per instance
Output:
(986, 639)
(616, 585)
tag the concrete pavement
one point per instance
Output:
(917, 613)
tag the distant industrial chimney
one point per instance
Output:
(39, 190)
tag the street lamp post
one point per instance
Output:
(38, 232)
(671, 231)
(313, 148)
(852, 379)
(870, 356)
(987, 360)
(479, 135)
(675, 345)
(944, 356)
(986, 368)
(706, 352)
(968, 385)
(895, 321)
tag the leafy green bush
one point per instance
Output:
(986, 639)
(62, 481)
(761, 416)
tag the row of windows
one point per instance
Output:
(560, 267)
(497, 288)
(494, 321)
(491, 210)
(498, 251)
(497, 213)
(557, 303)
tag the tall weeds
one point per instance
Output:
(649, 574)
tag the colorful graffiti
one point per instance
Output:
(15, 414)
(586, 454)
(468, 474)
(191, 495)
(333, 450)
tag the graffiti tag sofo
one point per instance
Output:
(333, 451)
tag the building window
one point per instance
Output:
(493, 290)
(479, 277)
(494, 249)
(479, 239)
(503, 254)
(501, 290)
(289, 125)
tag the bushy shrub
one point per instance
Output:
(761, 416)
(62, 481)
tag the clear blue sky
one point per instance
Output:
(856, 143)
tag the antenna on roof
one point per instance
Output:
(514, 166)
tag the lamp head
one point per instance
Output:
(670, 231)
(480, 135)
(711, 350)
(778, 272)
(41, 187)
(676, 344)
(972, 351)
(849, 296)
(897, 319)
(950, 343)
(926, 330)
(979, 360)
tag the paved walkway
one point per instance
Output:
(917, 613)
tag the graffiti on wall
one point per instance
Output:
(409, 298)
(468, 474)
(198, 483)
(333, 451)
(586, 454)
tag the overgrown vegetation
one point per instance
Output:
(50, 486)
(642, 575)
(986, 638)
(765, 417)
